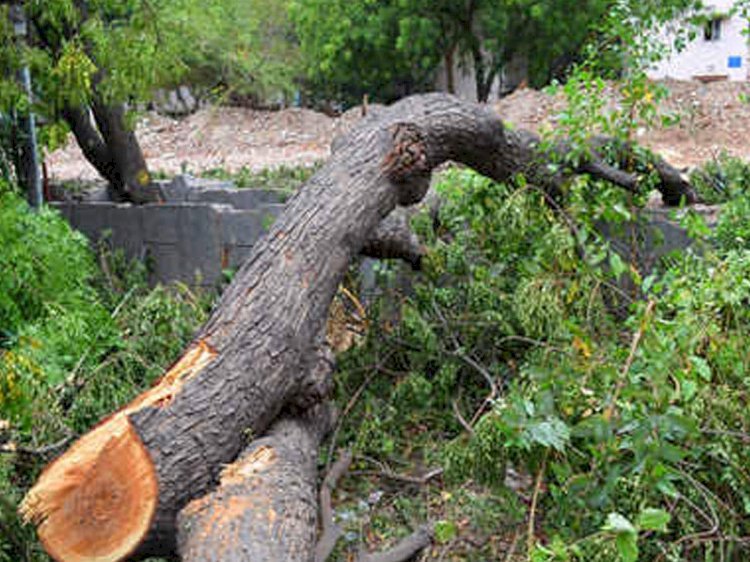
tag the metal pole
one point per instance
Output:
(34, 178)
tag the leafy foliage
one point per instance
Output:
(390, 48)
(640, 446)
(77, 344)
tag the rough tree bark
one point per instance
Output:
(117, 492)
(112, 148)
(265, 503)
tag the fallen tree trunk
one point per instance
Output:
(116, 493)
(266, 501)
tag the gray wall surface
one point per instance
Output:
(200, 231)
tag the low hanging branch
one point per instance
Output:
(116, 493)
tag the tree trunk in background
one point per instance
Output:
(133, 181)
(118, 490)
(450, 71)
(91, 143)
(113, 149)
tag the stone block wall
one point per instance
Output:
(201, 230)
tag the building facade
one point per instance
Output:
(719, 50)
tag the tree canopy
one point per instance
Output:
(94, 60)
(387, 48)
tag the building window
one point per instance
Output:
(712, 30)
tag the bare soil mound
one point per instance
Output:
(712, 117)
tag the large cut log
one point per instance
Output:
(116, 493)
(266, 501)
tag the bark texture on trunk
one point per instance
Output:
(262, 349)
(91, 143)
(265, 507)
(112, 148)
(133, 182)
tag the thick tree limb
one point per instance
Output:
(264, 508)
(394, 239)
(116, 493)
(535, 163)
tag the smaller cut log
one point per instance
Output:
(265, 507)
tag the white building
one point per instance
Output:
(718, 52)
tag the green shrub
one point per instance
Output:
(50, 315)
(733, 229)
(79, 342)
(635, 426)
(721, 179)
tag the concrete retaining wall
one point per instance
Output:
(201, 230)
(206, 227)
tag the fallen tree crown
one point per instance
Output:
(117, 492)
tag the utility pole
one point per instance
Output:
(29, 165)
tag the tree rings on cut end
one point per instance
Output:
(96, 503)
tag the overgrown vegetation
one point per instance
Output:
(78, 342)
(508, 368)
(576, 405)
(286, 178)
(580, 405)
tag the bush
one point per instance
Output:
(50, 315)
(635, 428)
(721, 179)
(78, 344)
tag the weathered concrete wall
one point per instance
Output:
(202, 229)
(656, 234)
(206, 227)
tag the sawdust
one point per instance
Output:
(712, 117)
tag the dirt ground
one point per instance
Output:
(713, 117)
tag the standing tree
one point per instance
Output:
(390, 47)
(93, 61)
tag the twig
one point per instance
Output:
(469, 361)
(352, 402)
(580, 249)
(331, 532)
(461, 419)
(512, 549)
(405, 550)
(631, 358)
(51, 449)
(405, 478)
(530, 539)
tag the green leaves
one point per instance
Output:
(626, 533)
(445, 531)
(550, 433)
(651, 519)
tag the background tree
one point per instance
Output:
(94, 60)
(391, 47)
(363, 46)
